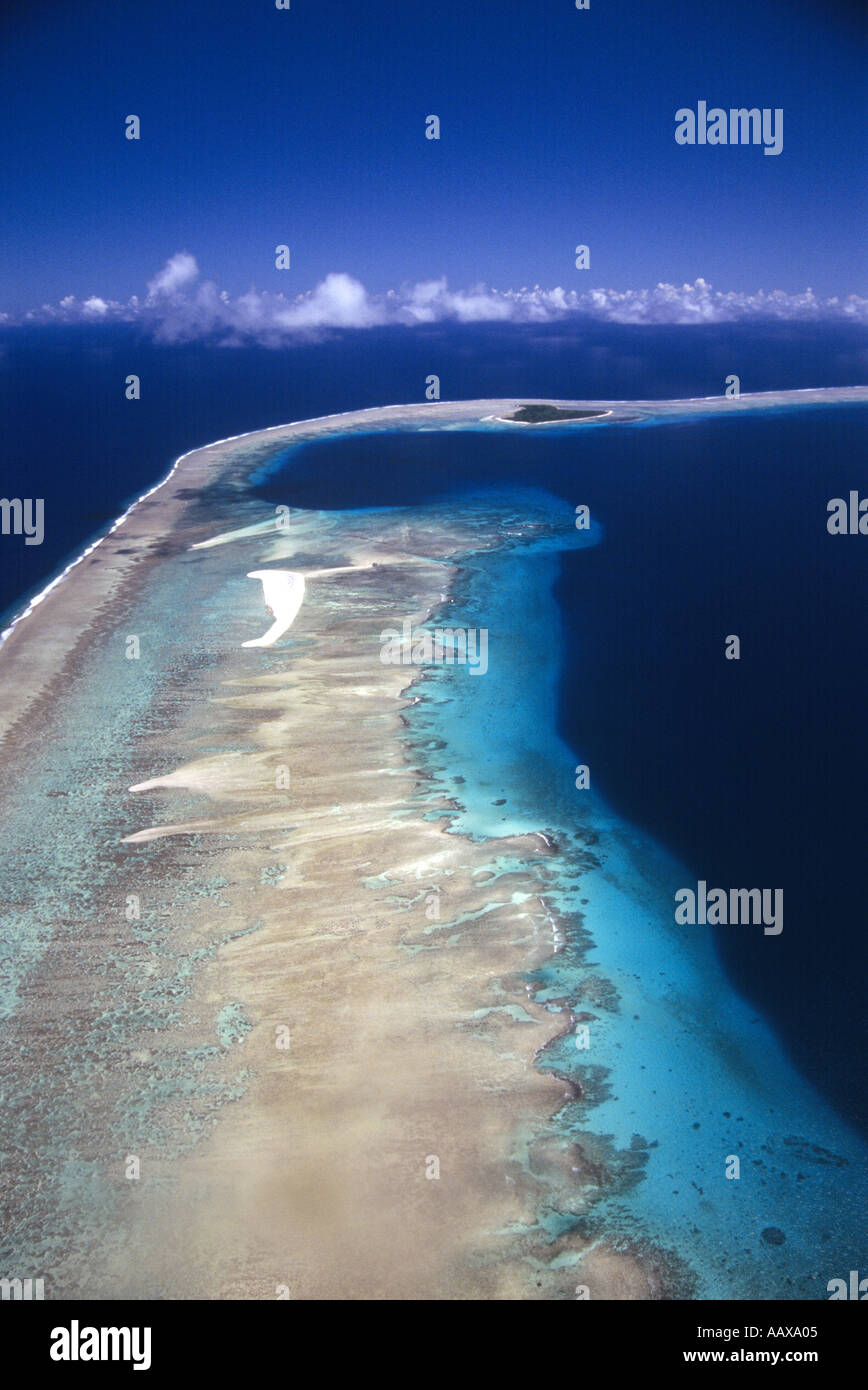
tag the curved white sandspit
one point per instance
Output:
(283, 591)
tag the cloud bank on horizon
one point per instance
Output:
(181, 306)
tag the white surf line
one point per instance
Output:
(88, 550)
(860, 395)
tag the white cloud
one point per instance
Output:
(96, 307)
(179, 271)
(181, 307)
(339, 302)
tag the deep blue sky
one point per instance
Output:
(307, 127)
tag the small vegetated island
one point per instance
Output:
(543, 414)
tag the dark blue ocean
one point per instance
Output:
(753, 773)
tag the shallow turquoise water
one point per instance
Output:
(681, 1073)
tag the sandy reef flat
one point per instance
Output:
(234, 974)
